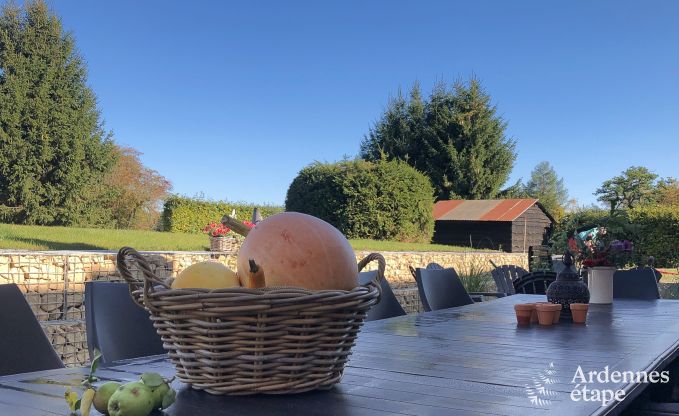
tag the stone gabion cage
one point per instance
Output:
(54, 282)
(54, 286)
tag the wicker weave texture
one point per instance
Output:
(247, 341)
(224, 244)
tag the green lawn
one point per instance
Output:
(33, 237)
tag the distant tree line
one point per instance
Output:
(58, 164)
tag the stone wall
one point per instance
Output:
(53, 282)
(399, 275)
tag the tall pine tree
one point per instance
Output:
(455, 137)
(53, 148)
(545, 185)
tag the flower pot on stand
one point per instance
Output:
(222, 243)
(600, 284)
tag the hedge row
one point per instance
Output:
(381, 200)
(654, 230)
(659, 234)
(188, 215)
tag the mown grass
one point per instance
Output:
(34, 237)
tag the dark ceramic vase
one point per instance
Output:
(568, 288)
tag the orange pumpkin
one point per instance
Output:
(293, 249)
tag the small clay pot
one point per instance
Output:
(557, 312)
(579, 312)
(524, 311)
(546, 313)
(534, 315)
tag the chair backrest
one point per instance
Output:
(434, 266)
(535, 283)
(116, 326)
(24, 347)
(653, 270)
(635, 284)
(441, 289)
(505, 276)
(388, 306)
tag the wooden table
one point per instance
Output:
(472, 360)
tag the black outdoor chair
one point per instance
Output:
(440, 289)
(476, 296)
(24, 347)
(505, 276)
(388, 306)
(116, 326)
(535, 283)
(635, 284)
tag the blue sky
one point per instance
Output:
(233, 99)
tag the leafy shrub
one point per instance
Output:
(190, 215)
(654, 230)
(659, 234)
(381, 201)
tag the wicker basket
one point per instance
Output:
(247, 341)
(224, 244)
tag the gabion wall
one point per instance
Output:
(54, 282)
(54, 286)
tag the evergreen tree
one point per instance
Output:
(545, 185)
(399, 132)
(456, 138)
(53, 148)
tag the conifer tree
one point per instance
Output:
(545, 185)
(54, 150)
(455, 137)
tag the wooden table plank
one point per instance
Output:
(472, 361)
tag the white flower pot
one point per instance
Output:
(600, 284)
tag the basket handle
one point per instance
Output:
(381, 265)
(126, 254)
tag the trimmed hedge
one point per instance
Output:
(386, 200)
(654, 230)
(659, 234)
(188, 215)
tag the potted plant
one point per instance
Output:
(601, 254)
(222, 238)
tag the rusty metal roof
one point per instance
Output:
(482, 209)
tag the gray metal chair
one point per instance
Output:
(505, 276)
(24, 347)
(116, 326)
(476, 296)
(389, 306)
(441, 289)
(635, 284)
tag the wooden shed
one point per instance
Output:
(511, 225)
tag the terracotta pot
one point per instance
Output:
(524, 311)
(534, 316)
(557, 307)
(546, 313)
(557, 312)
(579, 312)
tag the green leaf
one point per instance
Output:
(169, 398)
(152, 379)
(95, 362)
